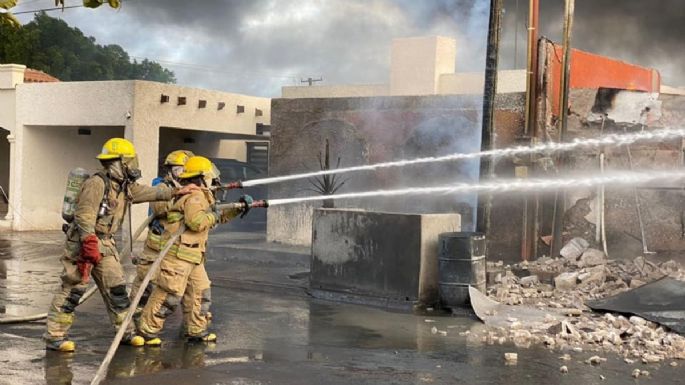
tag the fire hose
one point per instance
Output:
(91, 290)
(102, 370)
(126, 250)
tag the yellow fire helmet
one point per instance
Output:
(199, 166)
(178, 158)
(117, 148)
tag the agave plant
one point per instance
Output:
(326, 184)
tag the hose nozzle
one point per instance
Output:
(263, 203)
(232, 185)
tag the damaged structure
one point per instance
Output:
(366, 125)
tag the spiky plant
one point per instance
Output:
(326, 184)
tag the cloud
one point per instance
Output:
(647, 33)
(257, 46)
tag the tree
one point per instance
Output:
(52, 46)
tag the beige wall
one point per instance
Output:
(4, 160)
(418, 62)
(51, 150)
(7, 109)
(74, 103)
(11, 75)
(508, 81)
(233, 149)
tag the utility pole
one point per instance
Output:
(311, 81)
(487, 164)
(560, 196)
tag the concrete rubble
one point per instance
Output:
(563, 285)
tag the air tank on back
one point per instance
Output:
(74, 182)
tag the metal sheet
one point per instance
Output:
(661, 301)
(495, 314)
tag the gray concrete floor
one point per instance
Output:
(270, 332)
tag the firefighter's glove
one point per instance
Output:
(89, 256)
(247, 201)
(215, 212)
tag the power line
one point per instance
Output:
(203, 68)
(48, 9)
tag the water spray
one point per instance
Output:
(608, 140)
(613, 179)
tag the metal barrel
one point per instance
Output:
(461, 263)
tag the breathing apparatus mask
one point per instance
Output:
(124, 169)
(175, 172)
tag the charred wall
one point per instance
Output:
(373, 130)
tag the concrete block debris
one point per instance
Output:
(581, 274)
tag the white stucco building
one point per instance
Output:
(46, 129)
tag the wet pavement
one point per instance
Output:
(276, 335)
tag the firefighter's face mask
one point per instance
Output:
(132, 171)
(213, 177)
(175, 171)
(116, 171)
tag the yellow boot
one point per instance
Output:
(209, 337)
(61, 345)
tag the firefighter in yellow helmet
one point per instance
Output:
(172, 169)
(182, 276)
(90, 249)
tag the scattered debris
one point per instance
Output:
(566, 281)
(592, 257)
(434, 330)
(563, 369)
(559, 288)
(595, 360)
(601, 377)
(529, 281)
(574, 249)
(636, 373)
(511, 357)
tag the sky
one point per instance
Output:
(257, 46)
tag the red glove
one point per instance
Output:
(84, 268)
(90, 250)
(90, 256)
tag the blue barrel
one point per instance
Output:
(461, 263)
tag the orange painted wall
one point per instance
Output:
(594, 71)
